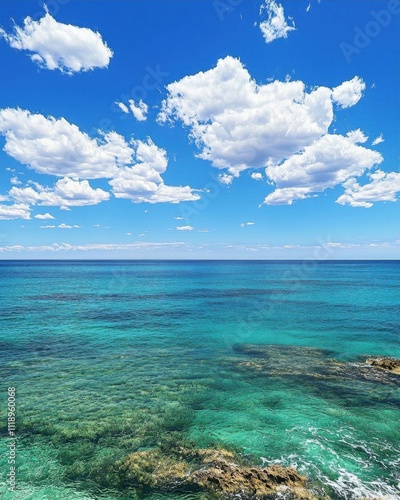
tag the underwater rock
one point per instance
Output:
(216, 472)
(310, 364)
(391, 365)
(152, 468)
(232, 481)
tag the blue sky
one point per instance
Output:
(199, 129)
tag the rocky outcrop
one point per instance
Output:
(391, 365)
(218, 473)
(229, 480)
(310, 364)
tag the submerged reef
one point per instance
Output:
(390, 365)
(311, 363)
(219, 473)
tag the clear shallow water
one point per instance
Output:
(111, 357)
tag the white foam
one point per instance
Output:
(345, 484)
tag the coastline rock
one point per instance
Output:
(391, 365)
(216, 472)
(232, 481)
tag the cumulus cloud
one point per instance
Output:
(65, 193)
(15, 211)
(44, 216)
(57, 147)
(275, 26)
(15, 181)
(357, 136)
(184, 228)
(348, 93)
(383, 186)
(55, 45)
(238, 124)
(225, 179)
(143, 182)
(329, 161)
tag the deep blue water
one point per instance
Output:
(107, 356)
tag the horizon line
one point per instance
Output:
(195, 260)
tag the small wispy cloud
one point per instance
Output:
(139, 110)
(378, 140)
(66, 226)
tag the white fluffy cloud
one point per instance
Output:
(184, 228)
(275, 26)
(348, 93)
(55, 45)
(139, 110)
(57, 147)
(16, 211)
(65, 193)
(44, 216)
(330, 161)
(15, 181)
(225, 179)
(383, 186)
(238, 124)
(143, 182)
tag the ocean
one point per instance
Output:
(108, 358)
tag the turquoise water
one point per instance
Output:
(108, 358)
